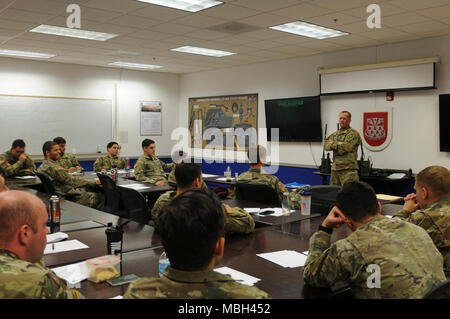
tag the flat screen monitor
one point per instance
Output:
(298, 119)
(444, 122)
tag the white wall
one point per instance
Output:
(24, 77)
(415, 141)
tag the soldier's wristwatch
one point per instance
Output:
(325, 229)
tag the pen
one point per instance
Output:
(53, 246)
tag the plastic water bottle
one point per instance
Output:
(228, 174)
(286, 208)
(127, 164)
(163, 263)
(306, 200)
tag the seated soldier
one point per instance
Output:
(193, 254)
(429, 208)
(149, 168)
(111, 159)
(16, 162)
(256, 175)
(189, 176)
(177, 158)
(23, 237)
(383, 257)
(3, 186)
(68, 161)
(84, 192)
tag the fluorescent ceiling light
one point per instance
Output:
(308, 30)
(27, 54)
(74, 33)
(186, 5)
(135, 65)
(202, 51)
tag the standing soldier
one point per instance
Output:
(68, 161)
(149, 168)
(16, 162)
(111, 159)
(344, 144)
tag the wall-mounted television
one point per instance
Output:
(298, 119)
(444, 120)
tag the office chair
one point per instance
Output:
(135, 205)
(112, 196)
(323, 198)
(260, 193)
(46, 183)
(441, 291)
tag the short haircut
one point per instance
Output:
(357, 200)
(59, 140)
(256, 153)
(111, 144)
(190, 227)
(186, 173)
(147, 142)
(13, 214)
(349, 114)
(48, 147)
(18, 143)
(436, 178)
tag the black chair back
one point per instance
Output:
(259, 193)
(323, 198)
(135, 205)
(46, 183)
(441, 291)
(112, 196)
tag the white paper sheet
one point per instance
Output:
(117, 297)
(252, 210)
(134, 186)
(223, 179)
(64, 246)
(122, 171)
(73, 273)
(53, 238)
(238, 276)
(396, 175)
(25, 177)
(305, 252)
(209, 175)
(285, 258)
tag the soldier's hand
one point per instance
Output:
(97, 181)
(411, 204)
(160, 183)
(340, 143)
(410, 196)
(1, 162)
(22, 157)
(72, 169)
(334, 219)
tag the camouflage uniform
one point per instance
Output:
(74, 188)
(435, 219)
(23, 280)
(173, 181)
(150, 169)
(237, 220)
(410, 265)
(203, 284)
(68, 160)
(345, 164)
(107, 162)
(257, 176)
(16, 167)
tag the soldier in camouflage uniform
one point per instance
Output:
(182, 227)
(111, 159)
(256, 175)
(84, 192)
(150, 169)
(23, 231)
(68, 161)
(429, 208)
(383, 257)
(16, 162)
(344, 144)
(189, 177)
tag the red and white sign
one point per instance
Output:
(377, 129)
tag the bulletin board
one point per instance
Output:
(230, 122)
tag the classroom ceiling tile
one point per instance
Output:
(386, 10)
(425, 27)
(146, 35)
(172, 28)
(414, 5)
(97, 14)
(198, 21)
(16, 25)
(113, 28)
(356, 27)
(342, 5)
(332, 20)
(437, 13)
(134, 21)
(263, 44)
(387, 35)
(123, 6)
(24, 16)
(266, 5)
(265, 20)
(161, 13)
(302, 11)
(403, 19)
(206, 34)
(42, 6)
(229, 12)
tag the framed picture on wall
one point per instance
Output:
(151, 118)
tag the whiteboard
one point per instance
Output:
(84, 123)
(381, 79)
